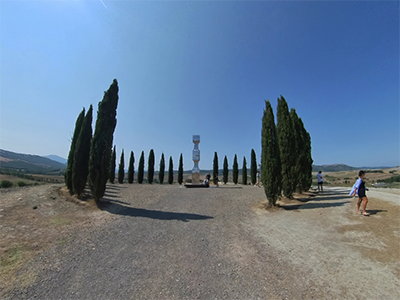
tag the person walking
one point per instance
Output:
(320, 181)
(258, 179)
(359, 189)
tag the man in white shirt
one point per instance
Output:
(320, 181)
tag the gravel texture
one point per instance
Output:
(169, 242)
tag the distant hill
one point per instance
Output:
(28, 163)
(341, 167)
(57, 158)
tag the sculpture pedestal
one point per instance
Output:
(196, 159)
(196, 177)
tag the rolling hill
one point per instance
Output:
(28, 163)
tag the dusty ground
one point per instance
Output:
(34, 219)
(168, 242)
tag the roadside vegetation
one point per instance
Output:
(385, 178)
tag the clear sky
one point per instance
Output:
(204, 68)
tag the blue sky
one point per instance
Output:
(204, 68)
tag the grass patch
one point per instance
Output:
(60, 221)
(12, 261)
(11, 258)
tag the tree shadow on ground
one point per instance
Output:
(228, 187)
(115, 186)
(330, 192)
(115, 208)
(320, 200)
(314, 205)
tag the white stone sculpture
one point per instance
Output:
(196, 159)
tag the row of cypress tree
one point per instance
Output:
(235, 170)
(150, 174)
(89, 156)
(150, 169)
(286, 162)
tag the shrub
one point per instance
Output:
(21, 183)
(373, 171)
(391, 179)
(6, 184)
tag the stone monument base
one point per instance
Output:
(196, 177)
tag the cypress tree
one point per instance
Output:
(170, 171)
(271, 172)
(101, 144)
(162, 169)
(180, 170)
(253, 167)
(286, 147)
(244, 171)
(111, 175)
(306, 159)
(309, 161)
(70, 162)
(215, 168)
(80, 167)
(131, 168)
(121, 168)
(141, 168)
(150, 169)
(297, 143)
(235, 170)
(226, 170)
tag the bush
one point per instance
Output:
(21, 183)
(373, 171)
(391, 179)
(6, 184)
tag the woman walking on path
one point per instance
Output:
(359, 188)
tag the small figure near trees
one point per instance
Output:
(320, 181)
(208, 176)
(257, 179)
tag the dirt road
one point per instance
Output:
(168, 242)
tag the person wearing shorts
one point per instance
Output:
(320, 181)
(359, 188)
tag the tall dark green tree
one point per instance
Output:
(101, 144)
(111, 170)
(70, 162)
(150, 169)
(244, 171)
(141, 168)
(121, 168)
(180, 170)
(297, 143)
(286, 147)
(162, 169)
(170, 171)
(215, 168)
(131, 168)
(271, 172)
(253, 167)
(305, 180)
(226, 170)
(235, 170)
(80, 167)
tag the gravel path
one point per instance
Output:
(168, 242)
